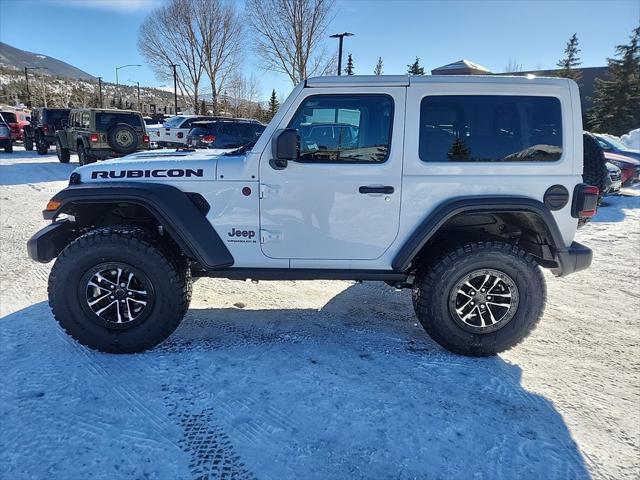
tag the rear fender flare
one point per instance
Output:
(473, 204)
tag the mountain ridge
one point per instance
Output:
(13, 57)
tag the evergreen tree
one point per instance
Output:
(459, 150)
(203, 107)
(378, 68)
(273, 105)
(569, 63)
(349, 70)
(415, 68)
(616, 99)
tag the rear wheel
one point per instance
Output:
(117, 290)
(28, 143)
(83, 157)
(42, 147)
(63, 153)
(480, 299)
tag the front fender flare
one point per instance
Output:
(172, 208)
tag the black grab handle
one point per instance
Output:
(387, 189)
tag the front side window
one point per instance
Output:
(173, 122)
(490, 128)
(344, 128)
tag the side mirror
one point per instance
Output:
(284, 147)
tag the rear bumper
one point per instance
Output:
(573, 259)
(47, 244)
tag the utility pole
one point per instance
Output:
(100, 91)
(340, 36)
(175, 89)
(138, 84)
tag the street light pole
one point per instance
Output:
(118, 68)
(340, 36)
(175, 89)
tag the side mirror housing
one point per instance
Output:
(284, 147)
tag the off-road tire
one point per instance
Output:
(594, 168)
(435, 282)
(167, 271)
(28, 144)
(63, 153)
(117, 133)
(42, 147)
(8, 148)
(83, 157)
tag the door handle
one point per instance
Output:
(387, 189)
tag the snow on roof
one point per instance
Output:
(462, 65)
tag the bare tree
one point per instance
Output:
(169, 35)
(513, 66)
(289, 35)
(243, 96)
(219, 29)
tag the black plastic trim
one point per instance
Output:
(173, 208)
(573, 259)
(47, 243)
(556, 197)
(474, 204)
(303, 274)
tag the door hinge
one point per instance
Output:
(266, 236)
(269, 190)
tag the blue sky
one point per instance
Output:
(97, 35)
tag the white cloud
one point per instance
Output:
(113, 5)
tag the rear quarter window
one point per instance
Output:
(105, 120)
(490, 128)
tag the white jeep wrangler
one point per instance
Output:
(459, 188)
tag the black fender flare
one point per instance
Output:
(472, 204)
(184, 220)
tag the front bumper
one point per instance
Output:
(573, 259)
(47, 243)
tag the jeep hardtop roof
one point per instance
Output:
(105, 110)
(408, 80)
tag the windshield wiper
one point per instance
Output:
(243, 149)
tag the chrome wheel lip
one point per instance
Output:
(485, 311)
(116, 295)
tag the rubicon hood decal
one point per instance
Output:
(156, 173)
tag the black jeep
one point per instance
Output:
(42, 130)
(98, 134)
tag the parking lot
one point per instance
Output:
(324, 379)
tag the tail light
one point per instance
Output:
(145, 138)
(585, 201)
(45, 128)
(94, 137)
(209, 138)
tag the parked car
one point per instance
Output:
(224, 133)
(174, 131)
(613, 145)
(629, 167)
(41, 132)
(16, 120)
(5, 136)
(614, 180)
(98, 133)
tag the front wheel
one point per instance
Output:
(480, 299)
(116, 290)
(8, 148)
(28, 144)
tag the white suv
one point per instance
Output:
(459, 188)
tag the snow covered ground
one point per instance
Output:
(319, 380)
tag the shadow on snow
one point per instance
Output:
(354, 390)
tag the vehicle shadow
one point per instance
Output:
(35, 172)
(353, 390)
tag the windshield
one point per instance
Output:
(104, 120)
(9, 117)
(173, 122)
